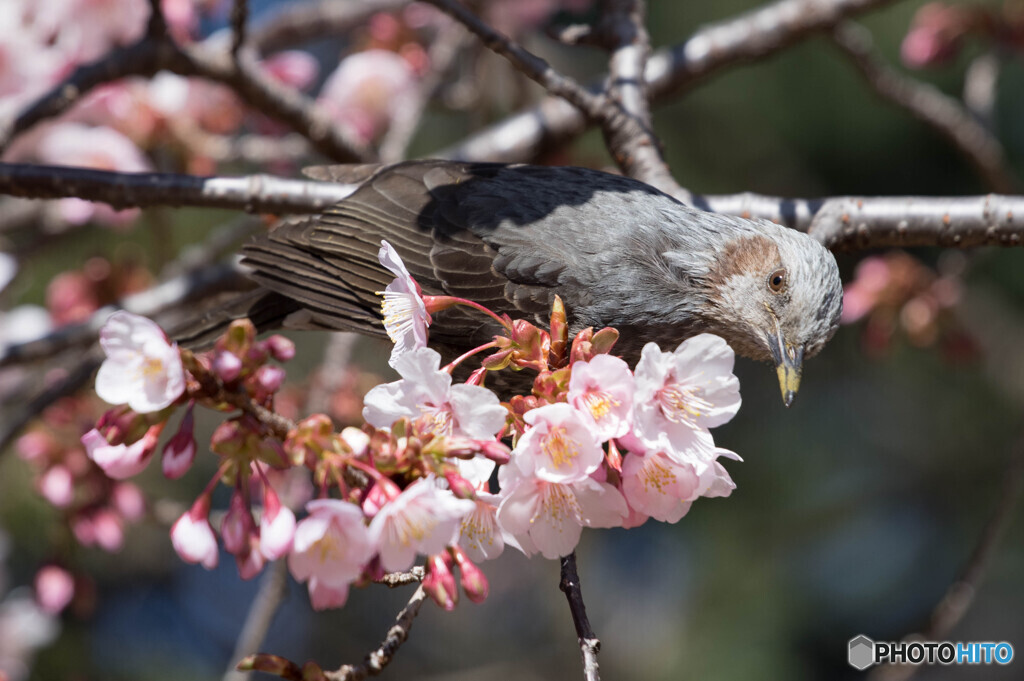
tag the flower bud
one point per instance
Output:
(277, 526)
(55, 587)
(280, 348)
(474, 582)
(193, 537)
(439, 582)
(227, 366)
(269, 378)
(459, 486)
(496, 452)
(238, 526)
(180, 450)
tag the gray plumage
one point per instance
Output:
(618, 252)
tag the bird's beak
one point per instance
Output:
(789, 360)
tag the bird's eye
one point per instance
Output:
(777, 281)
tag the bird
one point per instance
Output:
(618, 252)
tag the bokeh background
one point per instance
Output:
(855, 510)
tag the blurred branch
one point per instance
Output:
(754, 35)
(960, 595)
(980, 85)
(376, 661)
(271, 594)
(944, 114)
(589, 643)
(396, 579)
(242, 74)
(299, 23)
(157, 26)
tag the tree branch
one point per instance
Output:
(239, 17)
(944, 114)
(753, 35)
(589, 643)
(840, 223)
(377, 660)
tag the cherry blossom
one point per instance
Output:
(422, 519)
(680, 394)
(427, 392)
(479, 532)
(603, 389)
(560, 446)
(121, 461)
(405, 314)
(55, 587)
(142, 369)
(192, 535)
(658, 486)
(548, 517)
(331, 547)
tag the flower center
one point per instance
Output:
(558, 503)
(599, 403)
(438, 420)
(397, 309)
(559, 447)
(682, 404)
(655, 475)
(151, 366)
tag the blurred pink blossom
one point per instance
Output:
(55, 587)
(367, 92)
(57, 486)
(121, 461)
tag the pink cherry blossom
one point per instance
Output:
(121, 461)
(368, 91)
(292, 67)
(479, 533)
(679, 395)
(55, 587)
(193, 537)
(405, 314)
(559, 447)
(330, 549)
(549, 517)
(143, 368)
(659, 486)
(422, 519)
(427, 392)
(603, 389)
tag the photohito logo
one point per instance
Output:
(862, 652)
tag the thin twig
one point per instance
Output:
(268, 600)
(750, 36)
(960, 595)
(944, 114)
(569, 583)
(239, 18)
(376, 661)
(393, 580)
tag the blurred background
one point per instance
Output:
(855, 510)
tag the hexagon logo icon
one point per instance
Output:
(861, 652)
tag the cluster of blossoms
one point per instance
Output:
(594, 444)
(896, 292)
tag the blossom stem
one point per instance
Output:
(505, 323)
(463, 357)
(366, 468)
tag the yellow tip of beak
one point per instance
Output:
(789, 382)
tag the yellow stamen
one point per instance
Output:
(559, 447)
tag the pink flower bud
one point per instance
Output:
(238, 526)
(192, 535)
(227, 366)
(180, 450)
(55, 587)
(280, 348)
(440, 582)
(128, 501)
(496, 452)
(250, 564)
(82, 528)
(269, 378)
(356, 439)
(459, 486)
(108, 530)
(57, 486)
(121, 461)
(474, 582)
(277, 526)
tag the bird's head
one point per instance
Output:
(775, 295)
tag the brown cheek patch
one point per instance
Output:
(743, 256)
